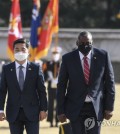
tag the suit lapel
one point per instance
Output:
(29, 69)
(78, 65)
(92, 66)
(13, 75)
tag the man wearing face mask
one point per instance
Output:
(51, 73)
(23, 83)
(86, 88)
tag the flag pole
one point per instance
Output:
(56, 40)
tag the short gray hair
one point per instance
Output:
(85, 33)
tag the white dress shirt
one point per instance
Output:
(88, 98)
(23, 69)
(17, 73)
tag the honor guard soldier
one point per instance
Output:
(51, 69)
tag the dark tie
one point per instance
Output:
(21, 77)
(86, 69)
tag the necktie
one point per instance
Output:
(86, 70)
(21, 77)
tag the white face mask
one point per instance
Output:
(56, 57)
(20, 56)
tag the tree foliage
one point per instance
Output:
(72, 13)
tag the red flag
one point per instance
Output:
(49, 27)
(15, 27)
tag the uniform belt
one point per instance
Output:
(89, 102)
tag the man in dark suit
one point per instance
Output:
(24, 83)
(86, 89)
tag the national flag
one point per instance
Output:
(15, 27)
(48, 28)
(35, 29)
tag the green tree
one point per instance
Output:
(72, 13)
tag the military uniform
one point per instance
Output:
(51, 69)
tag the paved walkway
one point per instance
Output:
(109, 127)
(44, 128)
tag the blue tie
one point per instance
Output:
(21, 77)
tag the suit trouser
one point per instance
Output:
(22, 122)
(87, 122)
(51, 101)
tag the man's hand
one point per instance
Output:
(42, 115)
(62, 118)
(2, 117)
(108, 114)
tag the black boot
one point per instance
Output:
(51, 124)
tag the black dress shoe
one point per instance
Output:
(56, 125)
(51, 125)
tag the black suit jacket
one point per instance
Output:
(72, 90)
(32, 98)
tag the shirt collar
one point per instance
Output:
(82, 56)
(17, 64)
